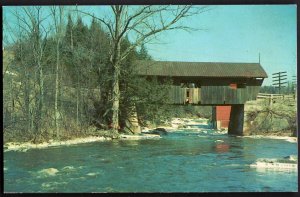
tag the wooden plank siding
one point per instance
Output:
(227, 95)
(213, 95)
(178, 95)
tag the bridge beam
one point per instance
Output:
(236, 122)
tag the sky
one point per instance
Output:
(237, 34)
(231, 33)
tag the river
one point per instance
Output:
(190, 160)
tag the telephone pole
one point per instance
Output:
(294, 84)
(279, 80)
(294, 81)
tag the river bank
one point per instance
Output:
(174, 125)
(24, 146)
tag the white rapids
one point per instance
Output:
(290, 162)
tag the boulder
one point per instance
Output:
(49, 171)
(159, 131)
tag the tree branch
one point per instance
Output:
(153, 30)
(107, 24)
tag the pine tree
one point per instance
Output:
(80, 32)
(143, 53)
(69, 32)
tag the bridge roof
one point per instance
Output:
(200, 69)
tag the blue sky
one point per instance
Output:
(236, 34)
(232, 33)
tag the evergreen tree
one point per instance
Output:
(69, 32)
(143, 54)
(149, 96)
(80, 33)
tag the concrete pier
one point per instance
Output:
(236, 123)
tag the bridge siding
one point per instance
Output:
(213, 95)
(177, 95)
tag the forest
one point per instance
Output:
(69, 78)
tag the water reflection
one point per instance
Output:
(222, 147)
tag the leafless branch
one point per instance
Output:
(153, 29)
(102, 20)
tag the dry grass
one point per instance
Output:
(279, 119)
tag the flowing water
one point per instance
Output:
(196, 160)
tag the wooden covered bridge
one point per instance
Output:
(209, 83)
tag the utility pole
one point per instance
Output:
(294, 85)
(279, 80)
(294, 82)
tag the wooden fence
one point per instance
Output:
(276, 96)
(273, 97)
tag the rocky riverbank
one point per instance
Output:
(175, 124)
(23, 147)
(147, 133)
(179, 123)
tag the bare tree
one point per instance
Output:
(143, 23)
(58, 24)
(30, 21)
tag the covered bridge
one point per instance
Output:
(209, 83)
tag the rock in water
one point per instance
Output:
(292, 157)
(68, 168)
(92, 174)
(49, 171)
(159, 131)
(219, 141)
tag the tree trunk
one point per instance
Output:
(56, 91)
(116, 98)
(72, 40)
(41, 98)
(28, 114)
(116, 66)
(77, 99)
(27, 103)
(12, 101)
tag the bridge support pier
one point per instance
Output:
(214, 117)
(236, 122)
(132, 124)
